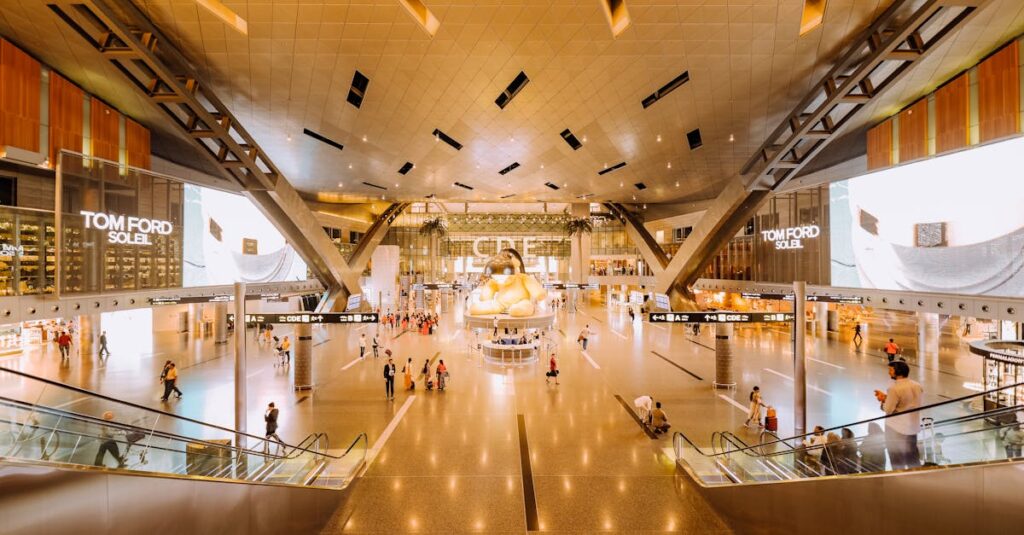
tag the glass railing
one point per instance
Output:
(45, 421)
(861, 447)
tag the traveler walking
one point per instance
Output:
(553, 371)
(376, 344)
(891, 350)
(857, 338)
(901, 430)
(389, 379)
(108, 445)
(1013, 441)
(170, 379)
(362, 345)
(754, 414)
(584, 336)
(64, 344)
(270, 418)
(103, 344)
(286, 350)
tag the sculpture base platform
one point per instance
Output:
(486, 322)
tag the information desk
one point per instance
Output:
(537, 321)
(510, 353)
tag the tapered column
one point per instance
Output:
(799, 363)
(195, 319)
(220, 323)
(723, 356)
(88, 333)
(240, 378)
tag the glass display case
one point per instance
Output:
(1003, 362)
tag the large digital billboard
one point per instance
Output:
(228, 240)
(951, 224)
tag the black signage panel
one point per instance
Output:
(721, 317)
(222, 298)
(310, 317)
(843, 299)
(437, 286)
(571, 285)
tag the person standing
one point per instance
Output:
(64, 344)
(376, 344)
(389, 379)
(754, 414)
(891, 350)
(103, 344)
(857, 338)
(407, 372)
(170, 379)
(108, 445)
(286, 349)
(442, 375)
(553, 371)
(901, 430)
(362, 345)
(270, 418)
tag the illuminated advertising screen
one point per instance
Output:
(227, 240)
(950, 224)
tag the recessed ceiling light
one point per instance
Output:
(584, 138)
(634, 197)
(606, 166)
(732, 138)
(396, 184)
(620, 184)
(677, 183)
(669, 166)
(542, 166)
(512, 139)
(289, 137)
(350, 166)
(364, 139)
(341, 184)
(565, 185)
(659, 138)
(645, 206)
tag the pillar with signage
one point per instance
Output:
(303, 359)
(723, 356)
(195, 319)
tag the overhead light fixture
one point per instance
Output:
(732, 138)
(669, 166)
(364, 138)
(814, 13)
(617, 14)
(225, 14)
(350, 166)
(677, 183)
(659, 138)
(422, 15)
(288, 137)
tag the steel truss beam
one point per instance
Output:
(876, 60)
(119, 31)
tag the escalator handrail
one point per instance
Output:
(135, 405)
(861, 422)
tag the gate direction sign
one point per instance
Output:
(842, 299)
(220, 298)
(437, 286)
(571, 285)
(721, 317)
(311, 317)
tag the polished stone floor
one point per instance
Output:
(452, 461)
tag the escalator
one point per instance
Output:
(966, 480)
(65, 451)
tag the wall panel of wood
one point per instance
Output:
(104, 130)
(999, 94)
(914, 132)
(952, 115)
(67, 117)
(20, 78)
(880, 146)
(136, 140)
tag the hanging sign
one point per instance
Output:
(721, 317)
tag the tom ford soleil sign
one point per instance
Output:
(791, 237)
(127, 230)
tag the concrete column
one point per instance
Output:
(922, 334)
(240, 377)
(303, 357)
(195, 319)
(821, 319)
(799, 362)
(723, 356)
(220, 323)
(88, 333)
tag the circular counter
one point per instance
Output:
(536, 321)
(509, 353)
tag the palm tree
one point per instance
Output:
(578, 225)
(434, 227)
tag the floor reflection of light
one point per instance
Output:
(566, 484)
(622, 485)
(414, 523)
(397, 485)
(586, 457)
(452, 484)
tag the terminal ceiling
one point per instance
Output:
(746, 62)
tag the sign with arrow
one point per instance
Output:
(721, 317)
(842, 299)
(310, 317)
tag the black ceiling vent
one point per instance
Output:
(447, 139)
(509, 169)
(405, 168)
(665, 89)
(585, 195)
(372, 185)
(550, 185)
(640, 186)
(463, 186)
(619, 165)
(359, 84)
(693, 138)
(571, 139)
(512, 90)
(322, 139)
(509, 196)
(431, 196)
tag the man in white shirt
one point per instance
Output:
(362, 345)
(901, 431)
(584, 337)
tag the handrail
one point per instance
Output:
(861, 422)
(137, 406)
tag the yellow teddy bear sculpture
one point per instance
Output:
(517, 295)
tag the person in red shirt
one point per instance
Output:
(891, 350)
(64, 344)
(553, 364)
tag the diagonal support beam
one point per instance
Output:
(129, 40)
(878, 58)
(651, 252)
